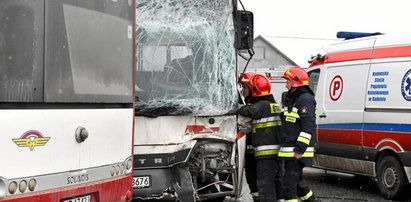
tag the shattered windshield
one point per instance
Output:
(186, 58)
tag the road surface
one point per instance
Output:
(333, 187)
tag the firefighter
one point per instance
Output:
(250, 162)
(297, 134)
(265, 133)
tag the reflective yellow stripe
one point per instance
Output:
(285, 154)
(290, 119)
(265, 125)
(307, 196)
(308, 154)
(291, 154)
(292, 200)
(303, 140)
(275, 108)
(291, 114)
(266, 152)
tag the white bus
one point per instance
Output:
(66, 100)
(186, 145)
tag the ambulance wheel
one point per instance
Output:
(391, 178)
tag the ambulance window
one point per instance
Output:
(313, 78)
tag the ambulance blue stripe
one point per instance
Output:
(401, 128)
(351, 126)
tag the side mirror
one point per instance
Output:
(245, 25)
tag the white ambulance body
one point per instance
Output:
(363, 93)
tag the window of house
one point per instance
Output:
(259, 53)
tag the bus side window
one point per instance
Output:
(21, 51)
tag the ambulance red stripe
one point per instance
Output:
(349, 137)
(392, 52)
(369, 138)
(379, 53)
(372, 138)
(348, 56)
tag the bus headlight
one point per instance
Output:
(122, 169)
(32, 184)
(13, 187)
(129, 164)
(23, 186)
(113, 170)
(117, 169)
(3, 187)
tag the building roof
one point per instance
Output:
(275, 48)
(297, 49)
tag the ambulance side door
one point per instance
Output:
(340, 99)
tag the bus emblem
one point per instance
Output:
(406, 86)
(31, 139)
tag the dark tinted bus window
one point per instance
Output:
(21, 50)
(89, 51)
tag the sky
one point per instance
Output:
(301, 28)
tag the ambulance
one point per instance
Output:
(363, 90)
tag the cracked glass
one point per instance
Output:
(186, 59)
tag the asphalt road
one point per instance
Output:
(333, 187)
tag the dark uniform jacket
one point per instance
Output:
(266, 123)
(298, 125)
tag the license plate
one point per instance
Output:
(141, 182)
(85, 198)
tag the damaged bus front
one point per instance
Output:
(185, 145)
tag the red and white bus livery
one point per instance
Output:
(66, 100)
(363, 89)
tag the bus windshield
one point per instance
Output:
(186, 58)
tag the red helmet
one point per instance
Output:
(297, 76)
(245, 78)
(259, 85)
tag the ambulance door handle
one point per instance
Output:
(323, 115)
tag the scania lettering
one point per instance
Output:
(362, 88)
(66, 100)
(186, 145)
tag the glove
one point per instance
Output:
(243, 128)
